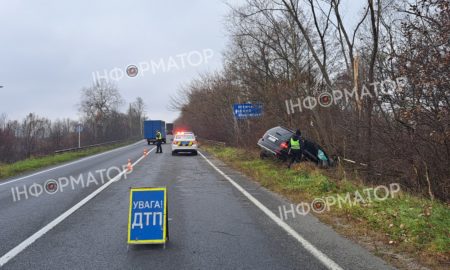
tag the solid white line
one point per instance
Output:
(65, 165)
(22, 246)
(327, 262)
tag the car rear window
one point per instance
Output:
(280, 133)
(184, 137)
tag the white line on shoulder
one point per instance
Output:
(30, 240)
(327, 262)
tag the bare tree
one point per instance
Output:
(139, 107)
(98, 102)
(3, 121)
(298, 48)
(34, 128)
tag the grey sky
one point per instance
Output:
(50, 49)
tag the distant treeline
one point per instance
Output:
(101, 122)
(285, 53)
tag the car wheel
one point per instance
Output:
(262, 155)
(194, 153)
(324, 164)
(174, 153)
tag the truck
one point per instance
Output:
(169, 128)
(150, 129)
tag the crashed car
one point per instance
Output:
(274, 143)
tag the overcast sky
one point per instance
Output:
(50, 50)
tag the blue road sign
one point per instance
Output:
(247, 110)
(147, 220)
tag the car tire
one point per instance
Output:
(174, 153)
(262, 155)
(195, 153)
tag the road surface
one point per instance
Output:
(218, 219)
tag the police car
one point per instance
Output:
(184, 142)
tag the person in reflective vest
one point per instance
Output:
(158, 142)
(295, 147)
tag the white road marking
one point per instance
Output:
(22, 246)
(65, 165)
(327, 262)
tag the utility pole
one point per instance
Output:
(130, 116)
(142, 124)
(140, 121)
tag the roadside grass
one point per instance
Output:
(406, 223)
(34, 163)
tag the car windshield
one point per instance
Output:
(184, 137)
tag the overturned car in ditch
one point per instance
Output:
(274, 143)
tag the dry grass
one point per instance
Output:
(396, 229)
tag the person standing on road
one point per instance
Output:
(295, 147)
(158, 142)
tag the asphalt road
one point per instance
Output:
(213, 223)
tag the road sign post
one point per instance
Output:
(147, 218)
(79, 129)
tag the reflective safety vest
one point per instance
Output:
(295, 145)
(158, 136)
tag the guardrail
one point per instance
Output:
(88, 146)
